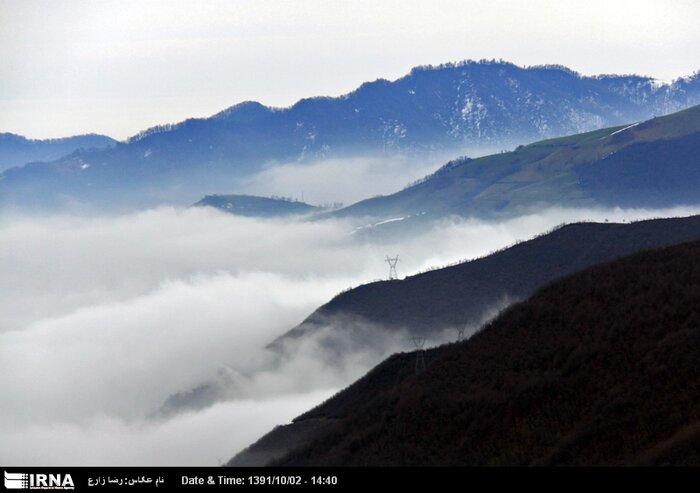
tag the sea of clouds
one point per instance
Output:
(103, 319)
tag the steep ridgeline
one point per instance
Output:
(461, 295)
(253, 206)
(655, 163)
(444, 109)
(466, 294)
(16, 150)
(599, 368)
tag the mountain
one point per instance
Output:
(599, 368)
(16, 150)
(445, 109)
(467, 294)
(435, 304)
(371, 321)
(253, 206)
(655, 163)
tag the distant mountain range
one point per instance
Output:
(599, 368)
(444, 109)
(16, 150)
(655, 163)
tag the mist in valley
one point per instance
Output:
(104, 319)
(350, 179)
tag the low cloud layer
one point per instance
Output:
(102, 320)
(206, 438)
(345, 180)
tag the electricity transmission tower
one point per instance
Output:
(460, 332)
(461, 326)
(419, 342)
(392, 266)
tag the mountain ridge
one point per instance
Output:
(464, 295)
(444, 109)
(17, 150)
(437, 303)
(596, 368)
(256, 206)
(652, 163)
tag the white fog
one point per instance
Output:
(103, 318)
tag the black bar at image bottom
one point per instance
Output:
(326, 478)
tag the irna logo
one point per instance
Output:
(24, 481)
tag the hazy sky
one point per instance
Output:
(118, 66)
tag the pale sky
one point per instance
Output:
(119, 66)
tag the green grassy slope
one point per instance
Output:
(570, 171)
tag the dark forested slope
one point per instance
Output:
(465, 294)
(597, 368)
